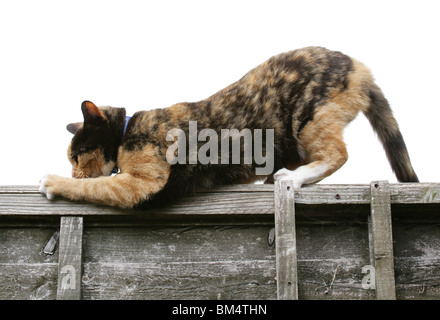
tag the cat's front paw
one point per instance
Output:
(46, 186)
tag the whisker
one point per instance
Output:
(79, 174)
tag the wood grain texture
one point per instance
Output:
(25, 272)
(139, 262)
(285, 240)
(231, 200)
(70, 258)
(381, 240)
(175, 263)
(417, 260)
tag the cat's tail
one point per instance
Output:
(385, 125)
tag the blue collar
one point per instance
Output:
(127, 119)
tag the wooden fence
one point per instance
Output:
(378, 241)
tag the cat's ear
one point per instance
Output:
(73, 127)
(91, 113)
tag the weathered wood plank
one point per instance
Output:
(25, 272)
(190, 280)
(24, 245)
(70, 258)
(219, 263)
(231, 200)
(285, 241)
(205, 204)
(381, 240)
(223, 262)
(235, 261)
(417, 260)
(330, 261)
(20, 189)
(179, 263)
(28, 281)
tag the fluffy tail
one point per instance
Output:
(383, 122)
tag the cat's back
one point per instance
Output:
(300, 66)
(284, 83)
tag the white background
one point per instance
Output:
(151, 54)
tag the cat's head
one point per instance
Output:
(94, 147)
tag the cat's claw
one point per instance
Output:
(44, 187)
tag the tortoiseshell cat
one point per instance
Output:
(306, 96)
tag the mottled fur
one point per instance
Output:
(307, 96)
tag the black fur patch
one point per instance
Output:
(105, 135)
(379, 115)
(334, 76)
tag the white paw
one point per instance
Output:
(303, 175)
(44, 187)
(285, 174)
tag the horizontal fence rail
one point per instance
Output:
(255, 199)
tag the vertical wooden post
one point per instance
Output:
(70, 259)
(381, 240)
(285, 241)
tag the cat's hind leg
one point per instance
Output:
(323, 145)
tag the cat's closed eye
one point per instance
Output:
(74, 157)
